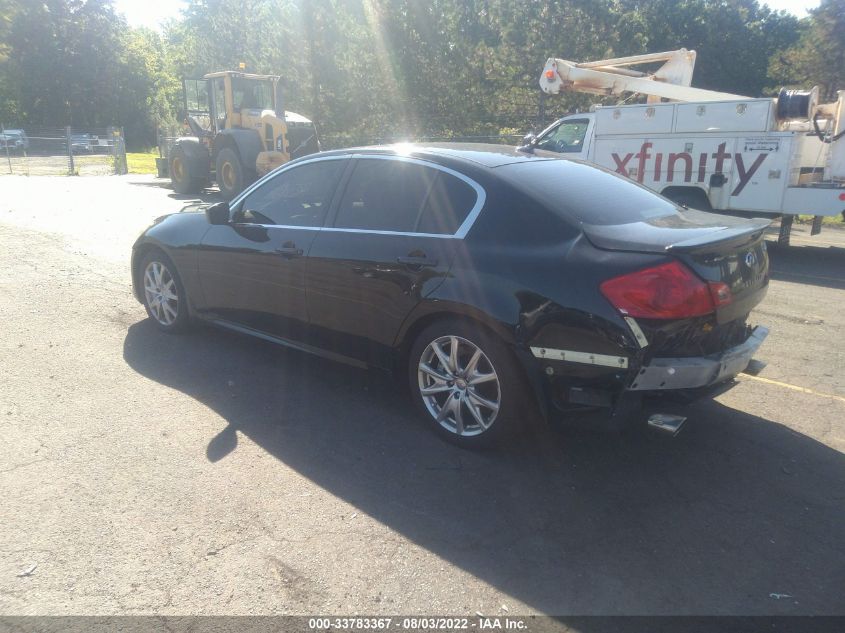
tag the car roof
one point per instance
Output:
(484, 154)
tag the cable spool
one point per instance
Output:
(796, 104)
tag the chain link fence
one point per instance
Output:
(167, 137)
(46, 151)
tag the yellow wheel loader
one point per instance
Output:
(240, 131)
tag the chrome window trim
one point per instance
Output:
(331, 229)
(463, 229)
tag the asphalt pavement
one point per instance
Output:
(211, 473)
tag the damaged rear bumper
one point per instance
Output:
(701, 371)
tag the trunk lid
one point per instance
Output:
(717, 248)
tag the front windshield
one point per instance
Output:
(568, 137)
(252, 94)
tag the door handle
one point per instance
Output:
(417, 262)
(289, 249)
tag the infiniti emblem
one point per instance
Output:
(750, 260)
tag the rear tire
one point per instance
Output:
(232, 176)
(468, 385)
(164, 295)
(180, 173)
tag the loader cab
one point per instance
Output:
(250, 94)
(238, 99)
(570, 135)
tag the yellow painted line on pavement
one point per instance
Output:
(786, 385)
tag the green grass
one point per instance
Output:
(141, 163)
(828, 219)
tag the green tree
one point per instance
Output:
(8, 99)
(368, 69)
(149, 91)
(734, 39)
(818, 58)
(76, 62)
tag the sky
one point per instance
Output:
(796, 7)
(149, 13)
(152, 13)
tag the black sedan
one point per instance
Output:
(501, 283)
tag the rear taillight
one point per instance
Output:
(668, 291)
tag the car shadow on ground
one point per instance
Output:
(815, 265)
(715, 521)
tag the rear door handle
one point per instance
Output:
(417, 262)
(289, 249)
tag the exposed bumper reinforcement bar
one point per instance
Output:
(698, 371)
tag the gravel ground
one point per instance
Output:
(211, 473)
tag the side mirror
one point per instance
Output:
(218, 213)
(528, 142)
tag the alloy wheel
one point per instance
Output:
(459, 386)
(161, 293)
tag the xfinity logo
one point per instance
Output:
(720, 156)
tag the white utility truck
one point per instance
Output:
(705, 149)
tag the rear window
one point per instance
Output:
(384, 195)
(587, 194)
(396, 195)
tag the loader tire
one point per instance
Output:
(180, 173)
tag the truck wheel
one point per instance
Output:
(230, 173)
(180, 173)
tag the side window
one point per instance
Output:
(448, 205)
(385, 195)
(297, 197)
(568, 137)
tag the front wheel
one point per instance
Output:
(232, 176)
(467, 384)
(164, 296)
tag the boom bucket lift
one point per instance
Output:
(796, 143)
(615, 77)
